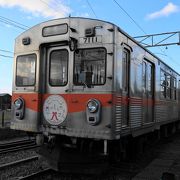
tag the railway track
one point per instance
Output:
(15, 163)
(37, 174)
(17, 146)
(124, 171)
(165, 151)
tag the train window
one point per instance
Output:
(25, 70)
(125, 69)
(55, 30)
(168, 90)
(168, 86)
(144, 77)
(173, 88)
(90, 67)
(150, 79)
(163, 84)
(58, 67)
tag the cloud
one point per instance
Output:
(44, 8)
(170, 8)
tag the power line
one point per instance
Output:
(138, 26)
(13, 23)
(47, 4)
(129, 16)
(8, 23)
(6, 51)
(55, 5)
(57, 2)
(168, 57)
(6, 56)
(2, 50)
(91, 8)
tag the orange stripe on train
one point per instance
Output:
(32, 100)
(75, 102)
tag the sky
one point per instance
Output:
(136, 17)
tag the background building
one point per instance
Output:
(5, 101)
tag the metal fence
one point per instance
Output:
(5, 118)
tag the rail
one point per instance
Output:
(17, 146)
(14, 163)
(37, 174)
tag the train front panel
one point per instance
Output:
(63, 79)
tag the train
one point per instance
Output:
(85, 88)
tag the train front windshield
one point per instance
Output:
(89, 66)
(58, 67)
(25, 70)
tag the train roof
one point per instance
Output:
(119, 29)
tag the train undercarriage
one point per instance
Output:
(89, 156)
(67, 154)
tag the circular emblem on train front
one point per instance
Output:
(55, 109)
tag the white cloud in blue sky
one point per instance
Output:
(169, 9)
(44, 8)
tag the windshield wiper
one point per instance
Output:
(86, 85)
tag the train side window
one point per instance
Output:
(168, 86)
(173, 88)
(125, 69)
(168, 89)
(90, 67)
(150, 79)
(144, 77)
(163, 84)
(26, 70)
(58, 67)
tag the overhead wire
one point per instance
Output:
(13, 23)
(6, 51)
(130, 16)
(164, 54)
(2, 55)
(140, 27)
(50, 6)
(91, 8)
(57, 2)
(10, 24)
(25, 26)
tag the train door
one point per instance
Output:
(148, 92)
(55, 98)
(125, 86)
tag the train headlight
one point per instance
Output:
(93, 112)
(92, 105)
(18, 103)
